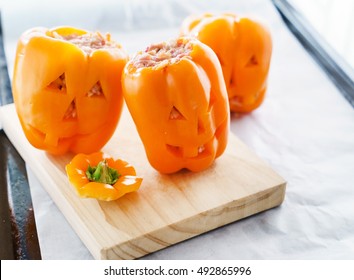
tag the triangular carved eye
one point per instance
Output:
(71, 113)
(95, 91)
(59, 84)
(253, 61)
(175, 114)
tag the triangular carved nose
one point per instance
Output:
(175, 114)
(201, 127)
(71, 113)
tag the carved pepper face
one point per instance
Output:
(67, 89)
(177, 97)
(244, 49)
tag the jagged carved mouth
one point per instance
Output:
(201, 151)
(195, 152)
(53, 140)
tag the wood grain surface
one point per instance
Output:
(168, 208)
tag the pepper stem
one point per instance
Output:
(102, 173)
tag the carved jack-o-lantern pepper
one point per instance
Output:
(244, 49)
(67, 88)
(177, 97)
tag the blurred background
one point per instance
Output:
(333, 20)
(330, 21)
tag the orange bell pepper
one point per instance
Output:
(67, 89)
(99, 176)
(244, 49)
(177, 97)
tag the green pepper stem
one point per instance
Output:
(102, 173)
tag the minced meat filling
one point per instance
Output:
(88, 42)
(163, 53)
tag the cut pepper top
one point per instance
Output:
(99, 176)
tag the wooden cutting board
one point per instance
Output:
(168, 208)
